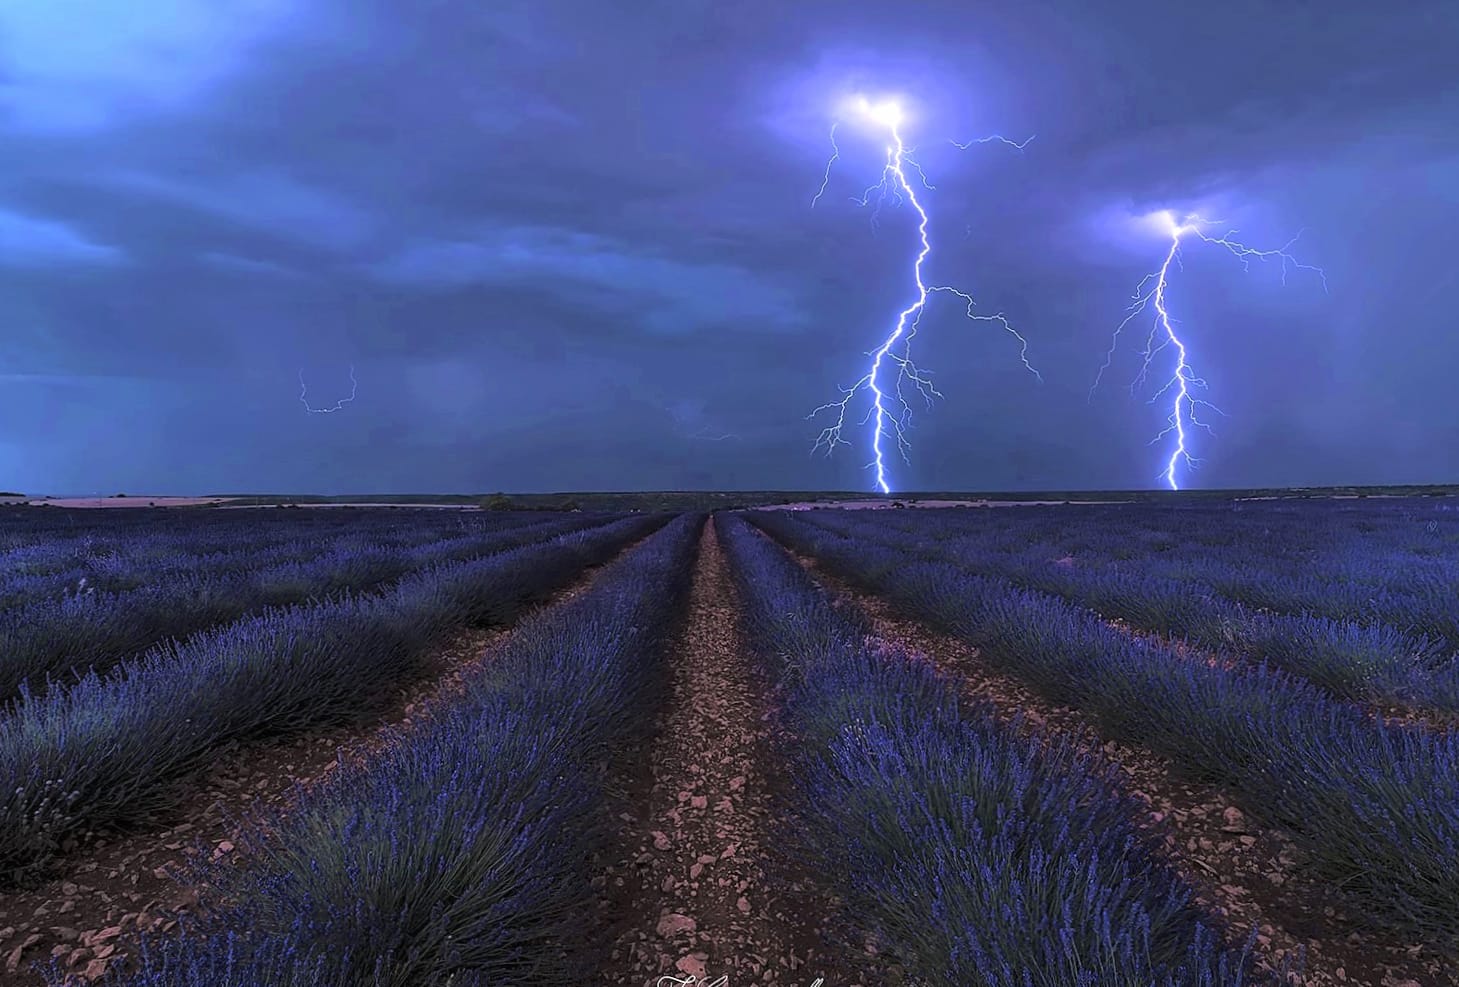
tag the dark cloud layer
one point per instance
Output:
(570, 244)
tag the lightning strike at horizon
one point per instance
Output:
(889, 421)
(1150, 293)
(304, 395)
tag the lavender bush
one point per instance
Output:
(104, 751)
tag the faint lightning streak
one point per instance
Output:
(886, 421)
(304, 395)
(1150, 293)
(685, 414)
(708, 434)
(826, 178)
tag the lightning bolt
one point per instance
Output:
(895, 349)
(1150, 293)
(709, 434)
(826, 178)
(687, 414)
(304, 395)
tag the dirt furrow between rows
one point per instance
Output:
(1252, 875)
(117, 885)
(700, 890)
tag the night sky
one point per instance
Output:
(569, 245)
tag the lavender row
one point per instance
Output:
(975, 854)
(1374, 805)
(97, 629)
(1367, 662)
(1348, 565)
(1287, 537)
(1258, 554)
(464, 854)
(65, 638)
(104, 751)
(23, 526)
(161, 552)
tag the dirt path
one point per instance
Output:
(699, 890)
(1252, 875)
(116, 885)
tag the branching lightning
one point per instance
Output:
(304, 395)
(1150, 293)
(895, 348)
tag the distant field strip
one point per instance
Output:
(1375, 806)
(119, 564)
(464, 852)
(104, 750)
(925, 810)
(63, 638)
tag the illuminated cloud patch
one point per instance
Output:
(234, 264)
(262, 200)
(82, 65)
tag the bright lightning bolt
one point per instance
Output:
(894, 421)
(304, 395)
(1150, 293)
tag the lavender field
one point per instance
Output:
(1104, 744)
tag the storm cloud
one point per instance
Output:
(570, 245)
